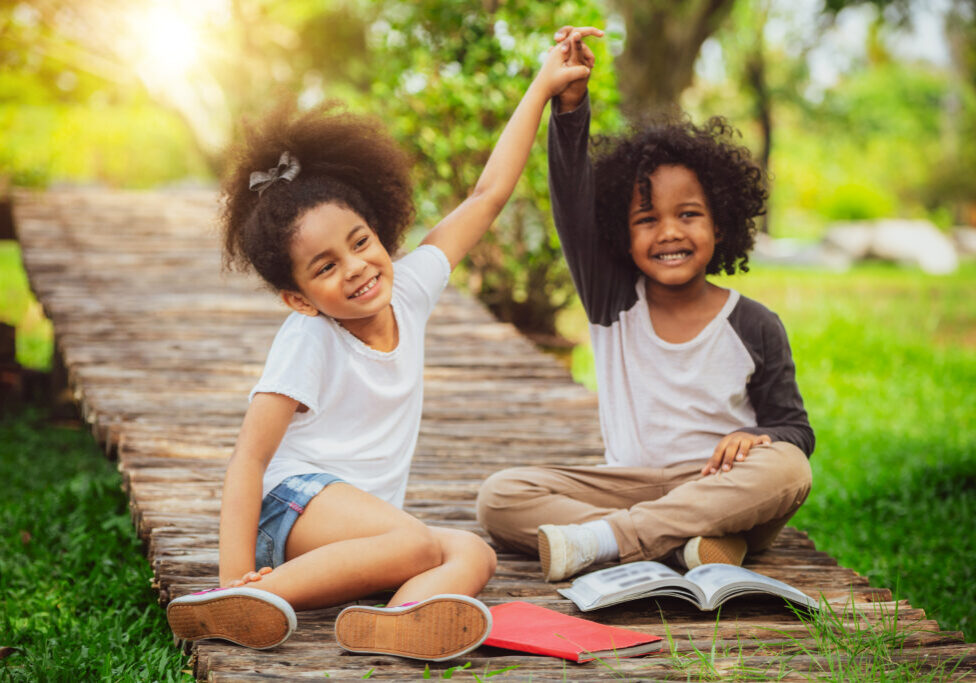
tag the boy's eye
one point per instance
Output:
(690, 214)
(361, 242)
(326, 268)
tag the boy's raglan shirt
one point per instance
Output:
(663, 403)
(364, 405)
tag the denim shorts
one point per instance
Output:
(279, 510)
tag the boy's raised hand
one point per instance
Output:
(576, 52)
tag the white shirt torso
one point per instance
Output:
(364, 405)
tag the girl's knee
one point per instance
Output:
(471, 550)
(422, 549)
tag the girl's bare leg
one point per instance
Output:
(468, 563)
(347, 544)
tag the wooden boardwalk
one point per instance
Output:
(160, 350)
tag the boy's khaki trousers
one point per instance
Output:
(651, 511)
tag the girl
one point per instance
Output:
(706, 435)
(314, 488)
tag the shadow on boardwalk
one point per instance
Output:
(161, 350)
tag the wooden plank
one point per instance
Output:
(161, 349)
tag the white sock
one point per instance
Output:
(607, 549)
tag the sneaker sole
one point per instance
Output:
(245, 616)
(549, 551)
(437, 629)
(720, 550)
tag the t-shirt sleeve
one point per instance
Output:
(773, 390)
(605, 288)
(294, 367)
(423, 274)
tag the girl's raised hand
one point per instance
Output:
(571, 44)
(561, 68)
(731, 449)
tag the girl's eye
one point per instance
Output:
(326, 268)
(690, 214)
(361, 242)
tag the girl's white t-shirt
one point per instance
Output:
(364, 405)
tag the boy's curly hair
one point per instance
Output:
(734, 185)
(345, 158)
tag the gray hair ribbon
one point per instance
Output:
(287, 169)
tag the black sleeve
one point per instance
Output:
(604, 287)
(772, 389)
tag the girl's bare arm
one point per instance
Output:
(460, 230)
(264, 425)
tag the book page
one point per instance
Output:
(627, 582)
(721, 581)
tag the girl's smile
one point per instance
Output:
(343, 271)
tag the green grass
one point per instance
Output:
(75, 595)
(886, 362)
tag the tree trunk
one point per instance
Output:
(663, 40)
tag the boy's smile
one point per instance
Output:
(342, 270)
(673, 239)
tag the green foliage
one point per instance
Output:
(75, 595)
(35, 337)
(448, 76)
(886, 365)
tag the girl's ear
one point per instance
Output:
(296, 301)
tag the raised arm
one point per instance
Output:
(264, 425)
(460, 230)
(605, 286)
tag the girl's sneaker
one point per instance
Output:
(246, 616)
(435, 629)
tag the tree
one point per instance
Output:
(663, 41)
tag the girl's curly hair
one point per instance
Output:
(345, 159)
(734, 185)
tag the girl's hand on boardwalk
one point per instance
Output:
(731, 449)
(251, 577)
(576, 52)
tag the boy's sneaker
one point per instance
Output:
(246, 616)
(565, 549)
(701, 550)
(435, 629)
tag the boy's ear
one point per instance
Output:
(296, 301)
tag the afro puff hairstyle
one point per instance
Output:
(345, 159)
(734, 185)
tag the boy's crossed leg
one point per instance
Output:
(651, 511)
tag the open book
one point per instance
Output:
(707, 586)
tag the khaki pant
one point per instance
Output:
(652, 511)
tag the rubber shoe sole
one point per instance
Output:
(701, 550)
(436, 629)
(246, 616)
(551, 548)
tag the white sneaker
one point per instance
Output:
(701, 550)
(566, 549)
(246, 616)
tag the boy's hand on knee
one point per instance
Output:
(576, 52)
(251, 577)
(731, 449)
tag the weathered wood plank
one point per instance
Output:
(161, 349)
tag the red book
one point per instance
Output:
(530, 628)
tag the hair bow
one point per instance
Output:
(287, 169)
